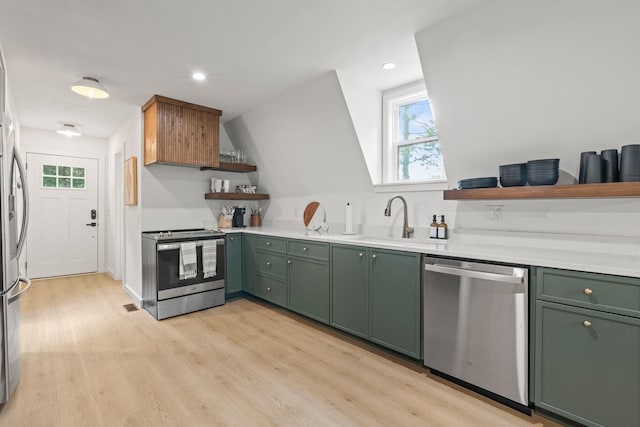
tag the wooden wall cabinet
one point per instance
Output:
(180, 133)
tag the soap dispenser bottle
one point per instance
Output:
(443, 231)
(433, 228)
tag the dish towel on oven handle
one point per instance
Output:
(209, 258)
(188, 261)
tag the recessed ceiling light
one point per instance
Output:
(68, 130)
(389, 66)
(90, 87)
(198, 76)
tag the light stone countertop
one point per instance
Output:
(598, 254)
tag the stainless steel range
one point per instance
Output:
(167, 293)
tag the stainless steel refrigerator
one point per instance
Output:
(14, 213)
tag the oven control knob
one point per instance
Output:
(169, 233)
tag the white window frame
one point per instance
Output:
(391, 100)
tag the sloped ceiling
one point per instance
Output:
(303, 142)
(251, 50)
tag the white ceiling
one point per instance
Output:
(251, 51)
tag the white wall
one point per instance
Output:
(512, 81)
(169, 198)
(306, 149)
(364, 104)
(128, 140)
(48, 142)
(174, 196)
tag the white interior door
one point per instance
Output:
(63, 236)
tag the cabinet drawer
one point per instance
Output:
(613, 294)
(272, 264)
(272, 244)
(587, 365)
(308, 249)
(272, 290)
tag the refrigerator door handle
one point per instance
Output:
(11, 288)
(27, 283)
(25, 201)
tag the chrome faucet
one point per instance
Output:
(406, 230)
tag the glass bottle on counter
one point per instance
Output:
(433, 228)
(443, 229)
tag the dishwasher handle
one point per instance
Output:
(483, 275)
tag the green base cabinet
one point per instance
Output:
(395, 300)
(250, 278)
(308, 273)
(587, 355)
(350, 289)
(272, 290)
(309, 288)
(233, 272)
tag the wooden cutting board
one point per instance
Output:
(309, 211)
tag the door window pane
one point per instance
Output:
(49, 181)
(48, 170)
(65, 177)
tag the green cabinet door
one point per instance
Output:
(588, 365)
(395, 300)
(350, 289)
(309, 288)
(250, 279)
(233, 273)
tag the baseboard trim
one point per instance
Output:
(137, 300)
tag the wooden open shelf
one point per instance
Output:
(235, 196)
(231, 167)
(574, 191)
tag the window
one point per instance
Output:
(411, 148)
(62, 177)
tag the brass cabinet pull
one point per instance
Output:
(586, 324)
(268, 289)
(268, 243)
(374, 256)
(231, 238)
(268, 264)
(289, 262)
(305, 249)
(588, 291)
(360, 254)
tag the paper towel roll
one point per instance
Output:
(348, 219)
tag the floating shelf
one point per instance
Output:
(235, 196)
(573, 191)
(231, 167)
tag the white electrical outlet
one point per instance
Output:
(493, 212)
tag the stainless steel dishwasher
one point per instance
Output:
(476, 325)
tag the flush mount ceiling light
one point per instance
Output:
(389, 66)
(68, 130)
(90, 87)
(198, 76)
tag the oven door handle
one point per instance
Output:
(173, 246)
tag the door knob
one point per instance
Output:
(92, 224)
(586, 324)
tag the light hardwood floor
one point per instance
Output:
(86, 361)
